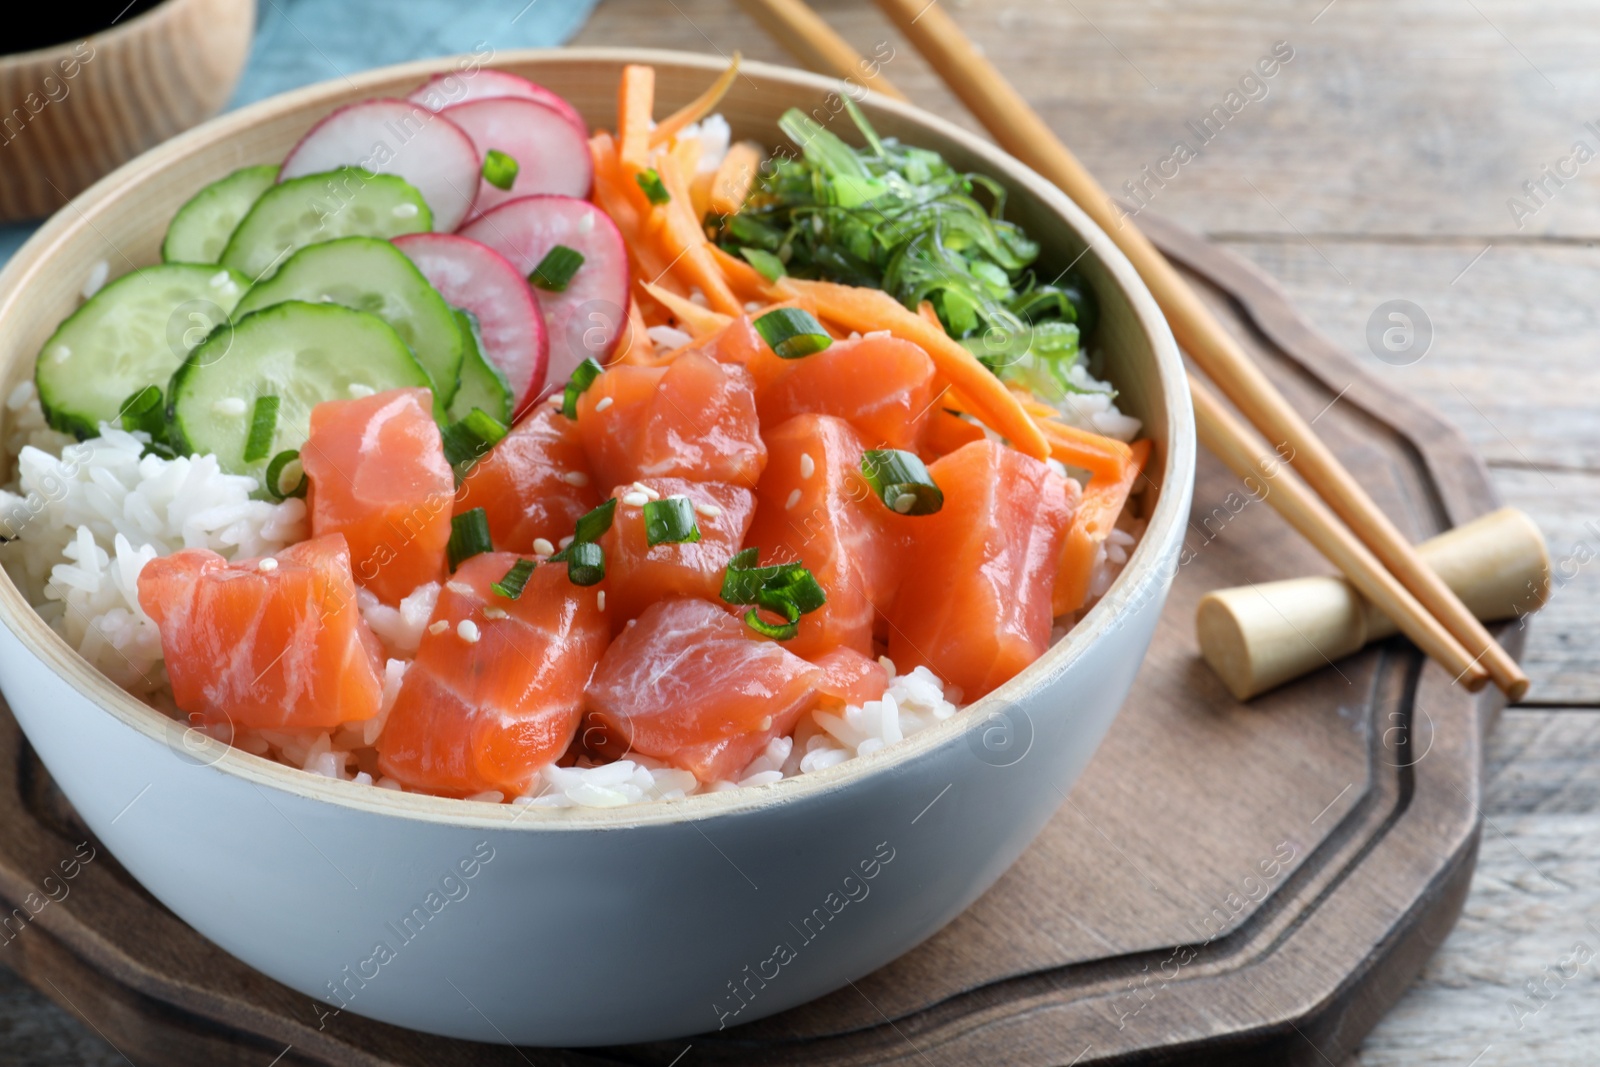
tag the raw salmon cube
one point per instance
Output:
(535, 483)
(275, 643)
(638, 575)
(881, 385)
(848, 677)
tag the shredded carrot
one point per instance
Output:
(1103, 457)
(635, 102)
(635, 347)
(930, 316)
(697, 320)
(686, 245)
(696, 109)
(747, 283)
(947, 432)
(736, 174)
(872, 309)
(1103, 500)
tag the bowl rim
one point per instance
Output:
(111, 35)
(1142, 571)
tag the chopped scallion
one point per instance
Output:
(901, 481)
(670, 521)
(515, 580)
(792, 332)
(583, 376)
(785, 632)
(469, 535)
(554, 272)
(143, 411)
(466, 440)
(586, 562)
(650, 182)
(594, 524)
(786, 589)
(263, 424)
(770, 266)
(499, 169)
(275, 471)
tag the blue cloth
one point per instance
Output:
(303, 41)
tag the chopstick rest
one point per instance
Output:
(1257, 637)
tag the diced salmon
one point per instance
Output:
(813, 505)
(881, 385)
(975, 608)
(534, 483)
(639, 575)
(265, 644)
(694, 418)
(485, 709)
(691, 684)
(378, 476)
(736, 342)
(848, 677)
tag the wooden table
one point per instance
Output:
(1379, 165)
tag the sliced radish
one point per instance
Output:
(552, 158)
(476, 278)
(396, 137)
(446, 90)
(588, 317)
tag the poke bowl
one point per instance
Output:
(642, 878)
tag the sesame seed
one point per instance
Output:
(808, 466)
(710, 511)
(404, 211)
(601, 600)
(266, 565)
(794, 498)
(586, 224)
(230, 405)
(647, 491)
(438, 627)
(495, 613)
(766, 723)
(753, 306)
(604, 403)
(635, 499)
(905, 502)
(467, 630)
(541, 547)
(220, 279)
(577, 478)
(459, 588)
(565, 542)
(359, 390)
(554, 400)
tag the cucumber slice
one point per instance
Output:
(320, 207)
(300, 353)
(482, 384)
(370, 275)
(133, 333)
(200, 230)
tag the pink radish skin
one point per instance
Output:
(476, 278)
(447, 90)
(588, 318)
(396, 137)
(551, 156)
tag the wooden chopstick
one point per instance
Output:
(814, 43)
(1020, 130)
(999, 107)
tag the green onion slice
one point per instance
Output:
(901, 481)
(499, 169)
(263, 424)
(770, 266)
(466, 440)
(556, 269)
(274, 475)
(469, 535)
(515, 580)
(792, 332)
(143, 411)
(654, 191)
(786, 589)
(594, 524)
(670, 521)
(586, 562)
(583, 376)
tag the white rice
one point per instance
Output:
(1095, 409)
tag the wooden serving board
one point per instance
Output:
(1228, 883)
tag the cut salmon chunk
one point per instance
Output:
(265, 644)
(535, 483)
(691, 684)
(378, 476)
(848, 677)
(496, 692)
(881, 385)
(975, 608)
(814, 506)
(694, 418)
(638, 575)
